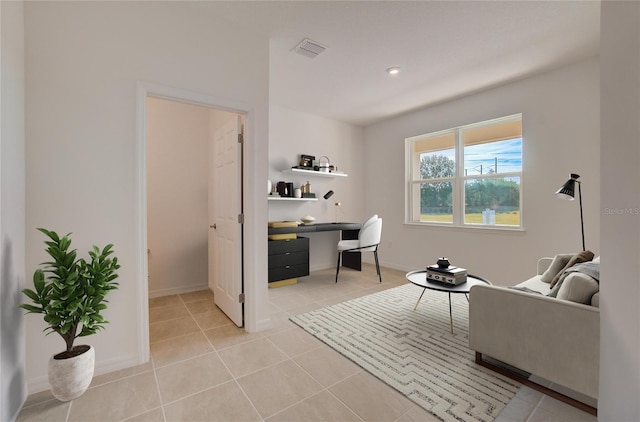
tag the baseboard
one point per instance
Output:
(534, 385)
(177, 290)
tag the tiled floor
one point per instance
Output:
(204, 368)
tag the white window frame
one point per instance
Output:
(412, 164)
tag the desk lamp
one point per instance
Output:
(336, 204)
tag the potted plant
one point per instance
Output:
(70, 292)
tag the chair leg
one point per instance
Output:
(338, 266)
(375, 255)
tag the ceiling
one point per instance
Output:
(445, 49)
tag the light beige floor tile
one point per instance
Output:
(249, 357)
(230, 335)
(201, 306)
(543, 415)
(211, 319)
(48, 411)
(117, 400)
(123, 373)
(291, 301)
(280, 322)
(196, 296)
(191, 376)
(321, 407)
(178, 349)
(564, 410)
(295, 341)
(166, 330)
(327, 366)
(166, 313)
(154, 415)
(418, 414)
(39, 397)
(370, 398)
(164, 301)
(516, 410)
(224, 403)
(277, 387)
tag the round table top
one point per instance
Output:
(419, 278)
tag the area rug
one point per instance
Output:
(414, 351)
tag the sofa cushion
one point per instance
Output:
(578, 287)
(583, 256)
(535, 284)
(595, 300)
(558, 263)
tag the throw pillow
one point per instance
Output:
(578, 287)
(558, 263)
(583, 256)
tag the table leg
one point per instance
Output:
(450, 314)
(423, 290)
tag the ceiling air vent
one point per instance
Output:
(309, 48)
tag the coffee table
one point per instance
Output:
(419, 278)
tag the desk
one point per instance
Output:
(348, 231)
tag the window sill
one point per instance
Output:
(470, 228)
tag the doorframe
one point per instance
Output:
(145, 90)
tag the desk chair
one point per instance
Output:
(368, 241)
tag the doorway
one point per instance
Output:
(180, 212)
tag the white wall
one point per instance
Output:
(83, 63)
(561, 135)
(12, 209)
(620, 159)
(177, 186)
(292, 133)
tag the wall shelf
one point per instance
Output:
(285, 198)
(313, 173)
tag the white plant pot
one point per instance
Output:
(69, 378)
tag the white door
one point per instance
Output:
(225, 229)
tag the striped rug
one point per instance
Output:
(414, 351)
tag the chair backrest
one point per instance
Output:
(371, 231)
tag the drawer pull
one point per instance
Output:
(288, 266)
(288, 253)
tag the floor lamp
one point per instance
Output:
(568, 191)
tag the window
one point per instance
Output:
(466, 176)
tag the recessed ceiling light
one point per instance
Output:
(393, 71)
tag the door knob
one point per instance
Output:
(213, 226)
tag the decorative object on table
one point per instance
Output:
(567, 191)
(408, 351)
(328, 195)
(70, 293)
(297, 193)
(281, 224)
(306, 161)
(270, 188)
(307, 219)
(324, 166)
(444, 272)
(443, 262)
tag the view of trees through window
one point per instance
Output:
(483, 188)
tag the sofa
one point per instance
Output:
(554, 338)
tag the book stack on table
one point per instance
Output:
(447, 275)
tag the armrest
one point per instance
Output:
(543, 264)
(554, 339)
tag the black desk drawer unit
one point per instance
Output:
(288, 258)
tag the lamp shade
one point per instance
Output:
(568, 190)
(328, 195)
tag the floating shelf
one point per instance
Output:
(285, 198)
(313, 173)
